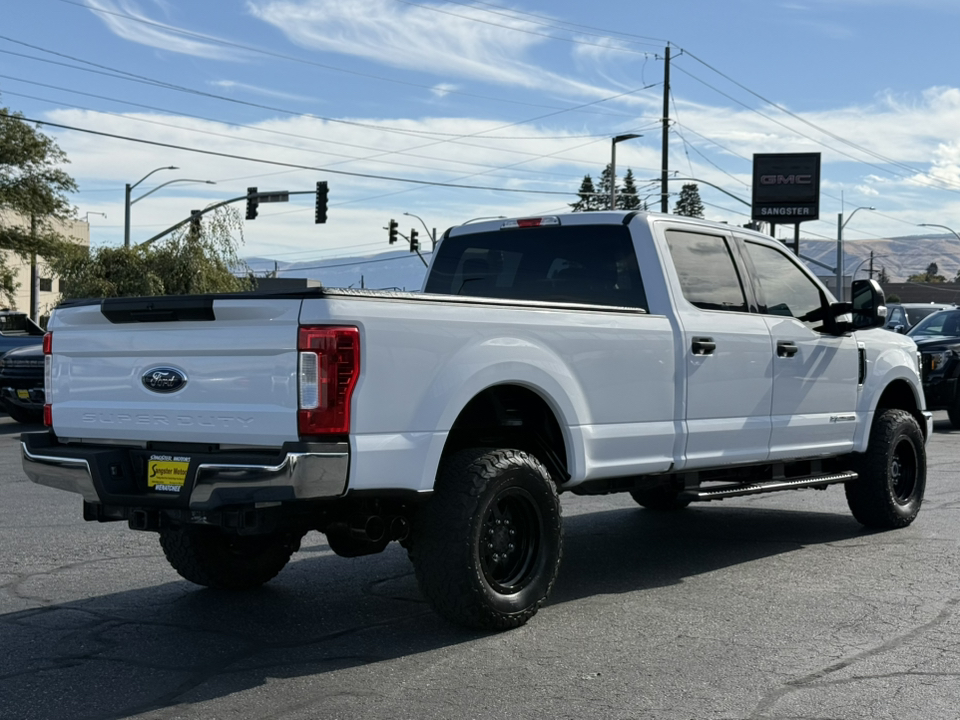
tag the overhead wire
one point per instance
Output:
(946, 186)
(298, 166)
(290, 58)
(432, 8)
(349, 158)
(813, 125)
(567, 26)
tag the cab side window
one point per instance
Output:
(786, 290)
(708, 275)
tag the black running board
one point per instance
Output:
(719, 492)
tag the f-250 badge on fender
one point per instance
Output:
(163, 379)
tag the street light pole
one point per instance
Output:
(940, 226)
(170, 182)
(841, 224)
(613, 166)
(431, 233)
(126, 201)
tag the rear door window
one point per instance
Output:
(592, 264)
(707, 273)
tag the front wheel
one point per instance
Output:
(486, 548)
(207, 556)
(892, 473)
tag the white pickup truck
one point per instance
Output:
(674, 359)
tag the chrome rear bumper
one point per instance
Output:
(299, 475)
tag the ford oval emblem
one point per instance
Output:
(163, 379)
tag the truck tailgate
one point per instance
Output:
(229, 378)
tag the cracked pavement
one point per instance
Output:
(776, 607)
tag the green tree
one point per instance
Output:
(930, 275)
(33, 197)
(627, 195)
(603, 189)
(688, 204)
(588, 196)
(195, 259)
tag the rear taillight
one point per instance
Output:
(48, 379)
(329, 365)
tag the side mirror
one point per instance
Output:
(869, 305)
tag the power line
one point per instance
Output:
(290, 58)
(297, 166)
(520, 30)
(609, 34)
(151, 81)
(794, 115)
(945, 185)
(349, 158)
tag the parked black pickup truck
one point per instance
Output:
(21, 383)
(21, 367)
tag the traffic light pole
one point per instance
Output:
(273, 196)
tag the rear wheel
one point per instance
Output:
(208, 556)
(487, 546)
(892, 473)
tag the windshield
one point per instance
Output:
(945, 322)
(916, 314)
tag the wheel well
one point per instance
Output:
(898, 395)
(511, 416)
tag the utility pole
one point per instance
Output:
(666, 126)
(34, 275)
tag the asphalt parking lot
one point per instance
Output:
(778, 606)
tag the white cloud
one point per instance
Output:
(126, 19)
(441, 39)
(443, 89)
(919, 133)
(267, 92)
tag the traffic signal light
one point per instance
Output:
(195, 221)
(252, 203)
(414, 242)
(321, 214)
(393, 231)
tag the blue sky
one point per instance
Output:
(518, 98)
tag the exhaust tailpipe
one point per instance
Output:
(399, 528)
(369, 527)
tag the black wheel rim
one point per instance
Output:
(903, 471)
(510, 540)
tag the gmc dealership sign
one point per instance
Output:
(786, 187)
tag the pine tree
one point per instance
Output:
(603, 190)
(882, 277)
(588, 196)
(688, 204)
(627, 195)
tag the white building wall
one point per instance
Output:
(48, 294)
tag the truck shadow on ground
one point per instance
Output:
(119, 654)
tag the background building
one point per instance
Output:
(48, 286)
